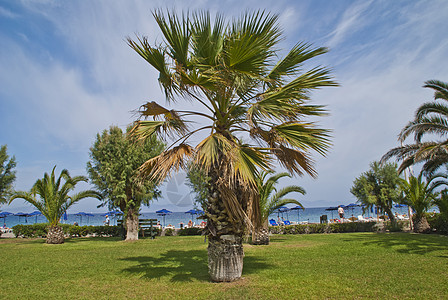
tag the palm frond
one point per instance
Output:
(156, 58)
(249, 44)
(160, 167)
(209, 150)
(207, 40)
(177, 33)
(440, 87)
(295, 161)
(292, 62)
(245, 163)
(304, 136)
(431, 108)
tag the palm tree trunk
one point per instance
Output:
(55, 235)
(225, 247)
(421, 224)
(261, 237)
(390, 215)
(132, 225)
(225, 258)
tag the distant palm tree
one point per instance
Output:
(54, 199)
(271, 200)
(420, 196)
(230, 71)
(431, 118)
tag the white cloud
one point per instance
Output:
(60, 102)
(350, 22)
(7, 13)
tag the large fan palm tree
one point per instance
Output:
(230, 71)
(431, 119)
(270, 200)
(54, 199)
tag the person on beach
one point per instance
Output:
(181, 225)
(341, 213)
(107, 221)
(190, 224)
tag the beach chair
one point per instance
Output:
(353, 219)
(286, 222)
(362, 219)
(272, 222)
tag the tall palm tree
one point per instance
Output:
(54, 199)
(420, 196)
(246, 96)
(270, 200)
(431, 118)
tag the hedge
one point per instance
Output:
(40, 230)
(324, 228)
(438, 222)
(190, 231)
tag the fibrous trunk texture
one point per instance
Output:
(55, 235)
(421, 225)
(132, 225)
(225, 258)
(225, 247)
(261, 237)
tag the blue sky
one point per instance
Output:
(66, 74)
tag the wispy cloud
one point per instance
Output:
(7, 13)
(58, 103)
(350, 22)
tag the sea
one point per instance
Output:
(310, 215)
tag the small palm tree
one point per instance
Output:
(431, 118)
(270, 200)
(420, 196)
(54, 199)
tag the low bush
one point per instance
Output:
(324, 228)
(190, 231)
(40, 230)
(34, 230)
(395, 227)
(438, 222)
(169, 232)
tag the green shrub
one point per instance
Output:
(40, 230)
(34, 230)
(323, 228)
(169, 232)
(438, 222)
(190, 231)
(395, 227)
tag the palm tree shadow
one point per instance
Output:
(182, 266)
(407, 243)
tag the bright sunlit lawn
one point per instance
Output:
(358, 265)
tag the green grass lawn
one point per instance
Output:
(357, 265)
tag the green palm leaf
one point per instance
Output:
(54, 199)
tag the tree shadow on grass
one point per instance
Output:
(406, 243)
(278, 238)
(183, 266)
(73, 240)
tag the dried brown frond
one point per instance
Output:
(233, 206)
(295, 161)
(152, 109)
(160, 167)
